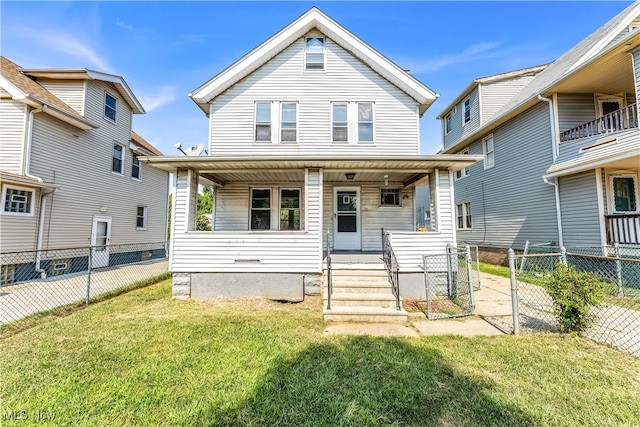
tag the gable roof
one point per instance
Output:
(141, 142)
(85, 74)
(311, 19)
(21, 87)
(584, 53)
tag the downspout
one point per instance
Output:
(43, 210)
(27, 159)
(554, 153)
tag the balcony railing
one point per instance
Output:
(625, 118)
(623, 228)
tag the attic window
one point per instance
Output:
(314, 53)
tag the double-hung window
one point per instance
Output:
(339, 122)
(117, 159)
(365, 122)
(289, 122)
(314, 53)
(488, 150)
(447, 124)
(289, 209)
(17, 201)
(110, 107)
(464, 215)
(141, 218)
(263, 122)
(260, 209)
(465, 171)
(625, 194)
(136, 167)
(467, 111)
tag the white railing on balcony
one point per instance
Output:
(625, 118)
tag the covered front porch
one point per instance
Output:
(273, 219)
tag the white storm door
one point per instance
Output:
(346, 215)
(100, 237)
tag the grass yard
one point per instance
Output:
(145, 359)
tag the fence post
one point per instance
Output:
(563, 256)
(478, 266)
(524, 258)
(89, 276)
(514, 292)
(616, 252)
(470, 278)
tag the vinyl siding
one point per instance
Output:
(13, 117)
(283, 78)
(71, 92)
(495, 95)
(579, 209)
(509, 202)
(80, 163)
(636, 67)
(20, 232)
(575, 109)
(459, 130)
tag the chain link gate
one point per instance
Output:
(449, 283)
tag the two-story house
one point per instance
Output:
(70, 170)
(561, 146)
(314, 141)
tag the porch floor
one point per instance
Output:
(354, 257)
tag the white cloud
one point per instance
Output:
(122, 24)
(162, 96)
(474, 52)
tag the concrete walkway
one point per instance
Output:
(492, 317)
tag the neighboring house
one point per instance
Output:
(561, 145)
(69, 167)
(314, 140)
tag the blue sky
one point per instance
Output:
(164, 50)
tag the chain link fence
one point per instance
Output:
(617, 320)
(449, 283)
(34, 282)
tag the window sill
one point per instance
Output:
(118, 173)
(107, 119)
(17, 214)
(141, 228)
(136, 179)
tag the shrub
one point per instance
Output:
(574, 293)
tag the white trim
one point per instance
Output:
(172, 236)
(452, 195)
(122, 160)
(464, 122)
(271, 204)
(436, 202)
(448, 119)
(144, 217)
(357, 122)
(279, 208)
(255, 123)
(280, 128)
(331, 105)
(479, 91)
(320, 213)
(592, 164)
(97, 254)
(381, 206)
(601, 206)
(5, 187)
(556, 124)
(611, 192)
(465, 213)
(486, 152)
(187, 216)
(85, 87)
(324, 54)
(464, 172)
(349, 245)
(600, 99)
(104, 108)
(306, 204)
(139, 177)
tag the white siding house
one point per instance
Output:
(69, 168)
(314, 142)
(562, 151)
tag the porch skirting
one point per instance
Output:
(276, 286)
(412, 285)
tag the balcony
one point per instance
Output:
(623, 228)
(623, 119)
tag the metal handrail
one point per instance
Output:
(329, 278)
(392, 267)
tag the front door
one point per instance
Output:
(346, 213)
(100, 236)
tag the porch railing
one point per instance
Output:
(623, 228)
(329, 278)
(622, 119)
(391, 265)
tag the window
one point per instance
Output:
(389, 197)
(17, 201)
(339, 125)
(467, 111)
(110, 107)
(260, 209)
(314, 53)
(135, 167)
(7, 274)
(625, 194)
(465, 171)
(288, 127)
(464, 215)
(487, 149)
(141, 218)
(263, 122)
(365, 122)
(447, 124)
(117, 162)
(289, 209)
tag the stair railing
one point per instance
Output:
(329, 278)
(391, 265)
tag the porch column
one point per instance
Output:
(184, 203)
(635, 52)
(313, 212)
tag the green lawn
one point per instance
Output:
(145, 359)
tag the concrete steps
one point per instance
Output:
(361, 293)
